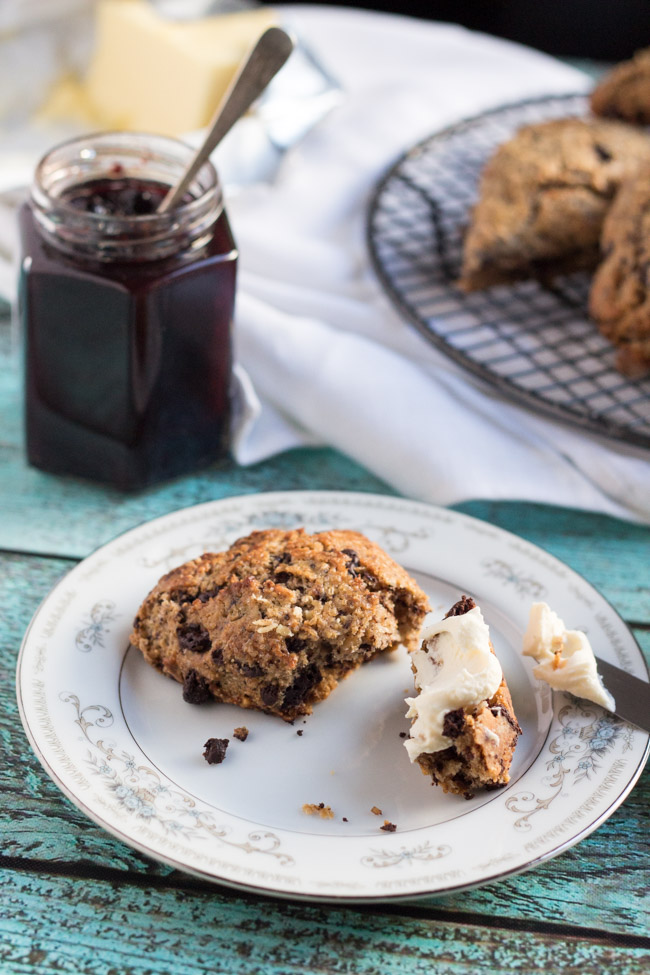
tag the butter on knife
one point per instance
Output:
(564, 657)
(566, 661)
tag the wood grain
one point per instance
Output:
(104, 928)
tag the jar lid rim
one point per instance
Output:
(86, 140)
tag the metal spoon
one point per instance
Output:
(264, 61)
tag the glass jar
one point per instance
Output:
(126, 313)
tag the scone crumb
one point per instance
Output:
(318, 809)
(215, 750)
(376, 811)
(388, 827)
(240, 733)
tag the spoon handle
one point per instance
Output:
(264, 61)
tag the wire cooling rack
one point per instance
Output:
(534, 342)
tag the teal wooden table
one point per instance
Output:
(75, 900)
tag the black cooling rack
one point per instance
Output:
(533, 342)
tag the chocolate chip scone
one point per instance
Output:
(619, 299)
(624, 93)
(543, 196)
(464, 730)
(274, 622)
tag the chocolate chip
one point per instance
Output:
(388, 827)
(181, 596)
(296, 693)
(345, 819)
(294, 644)
(193, 638)
(283, 578)
(464, 605)
(209, 594)
(353, 561)
(217, 655)
(402, 734)
(269, 694)
(215, 750)
(499, 711)
(196, 689)
(240, 733)
(369, 579)
(300, 732)
(602, 153)
(250, 670)
(453, 723)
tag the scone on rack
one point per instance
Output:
(619, 300)
(275, 621)
(464, 729)
(543, 196)
(624, 92)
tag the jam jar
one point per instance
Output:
(126, 313)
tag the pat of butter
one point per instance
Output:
(565, 659)
(156, 75)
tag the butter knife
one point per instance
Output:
(631, 694)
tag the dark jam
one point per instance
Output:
(119, 196)
(128, 364)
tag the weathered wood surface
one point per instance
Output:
(103, 928)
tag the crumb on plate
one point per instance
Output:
(215, 750)
(318, 809)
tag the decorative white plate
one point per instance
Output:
(120, 742)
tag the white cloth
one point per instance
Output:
(322, 356)
(329, 358)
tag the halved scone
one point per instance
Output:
(275, 621)
(464, 729)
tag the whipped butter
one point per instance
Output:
(454, 668)
(564, 657)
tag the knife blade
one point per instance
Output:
(631, 694)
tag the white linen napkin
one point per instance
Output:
(328, 357)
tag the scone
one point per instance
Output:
(543, 197)
(464, 729)
(619, 300)
(624, 92)
(274, 622)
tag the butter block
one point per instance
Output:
(156, 75)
